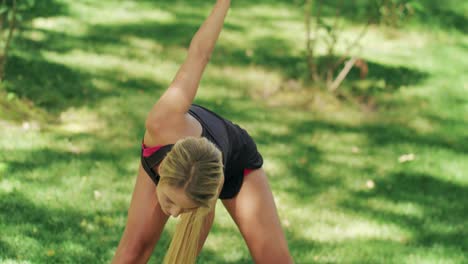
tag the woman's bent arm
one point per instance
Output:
(144, 224)
(181, 93)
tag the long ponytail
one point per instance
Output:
(184, 245)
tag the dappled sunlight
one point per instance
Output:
(26, 223)
(81, 121)
(327, 225)
(421, 124)
(22, 245)
(409, 209)
(218, 94)
(436, 254)
(93, 62)
(265, 13)
(345, 160)
(35, 35)
(59, 24)
(274, 167)
(292, 30)
(216, 240)
(103, 85)
(93, 69)
(396, 50)
(147, 46)
(7, 186)
(273, 129)
(453, 169)
(119, 13)
(252, 79)
(3, 167)
(127, 121)
(74, 248)
(20, 137)
(67, 178)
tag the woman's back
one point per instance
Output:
(237, 147)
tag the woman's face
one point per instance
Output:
(174, 201)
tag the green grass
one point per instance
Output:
(83, 74)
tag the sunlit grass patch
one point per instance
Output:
(11, 261)
(118, 12)
(80, 121)
(435, 254)
(58, 24)
(8, 185)
(102, 62)
(84, 81)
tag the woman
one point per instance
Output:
(190, 158)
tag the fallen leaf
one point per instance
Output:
(74, 149)
(355, 149)
(406, 158)
(26, 126)
(370, 184)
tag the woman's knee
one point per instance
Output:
(271, 252)
(133, 248)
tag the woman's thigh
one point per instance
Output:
(145, 220)
(254, 212)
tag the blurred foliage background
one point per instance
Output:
(372, 171)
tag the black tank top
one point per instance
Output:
(237, 147)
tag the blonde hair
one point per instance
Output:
(194, 164)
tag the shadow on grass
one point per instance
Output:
(46, 8)
(178, 33)
(240, 253)
(393, 77)
(55, 87)
(441, 204)
(431, 13)
(5, 249)
(47, 158)
(269, 52)
(393, 133)
(61, 231)
(436, 12)
(387, 134)
(454, 126)
(302, 156)
(274, 54)
(77, 154)
(74, 236)
(51, 86)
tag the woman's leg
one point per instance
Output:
(254, 212)
(145, 223)
(205, 230)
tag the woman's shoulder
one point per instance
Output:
(169, 129)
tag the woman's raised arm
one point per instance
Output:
(181, 93)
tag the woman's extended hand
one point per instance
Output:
(179, 96)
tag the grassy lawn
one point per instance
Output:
(83, 75)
